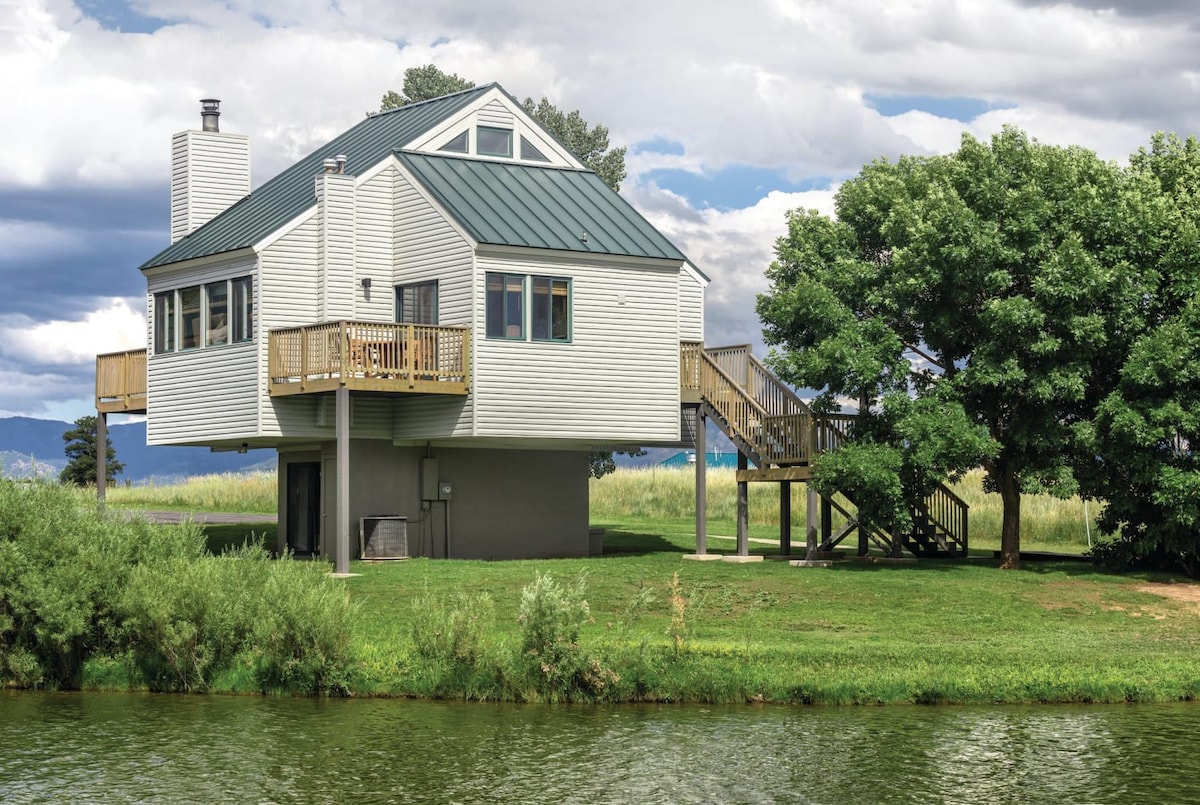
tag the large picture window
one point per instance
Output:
(551, 309)
(505, 305)
(417, 303)
(209, 315)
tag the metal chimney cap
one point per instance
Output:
(210, 111)
(340, 159)
(329, 164)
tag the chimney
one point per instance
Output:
(210, 172)
(210, 111)
(337, 214)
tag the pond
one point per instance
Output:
(158, 748)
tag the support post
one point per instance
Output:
(743, 509)
(342, 417)
(811, 524)
(785, 518)
(701, 483)
(826, 520)
(101, 455)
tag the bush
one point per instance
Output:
(64, 563)
(551, 617)
(77, 582)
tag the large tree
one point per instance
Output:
(989, 286)
(1142, 460)
(588, 143)
(80, 450)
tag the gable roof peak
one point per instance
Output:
(468, 91)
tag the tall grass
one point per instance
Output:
(254, 492)
(669, 493)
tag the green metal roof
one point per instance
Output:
(506, 204)
(292, 191)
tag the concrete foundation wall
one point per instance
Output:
(504, 504)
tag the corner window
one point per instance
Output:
(216, 307)
(417, 303)
(189, 317)
(505, 306)
(551, 309)
(530, 151)
(165, 314)
(243, 309)
(493, 142)
(458, 145)
(210, 315)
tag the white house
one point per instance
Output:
(435, 316)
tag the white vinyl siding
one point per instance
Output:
(496, 115)
(691, 306)
(336, 201)
(374, 251)
(429, 248)
(288, 298)
(203, 395)
(210, 171)
(617, 381)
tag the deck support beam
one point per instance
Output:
(701, 483)
(785, 518)
(101, 455)
(743, 509)
(342, 417)
(811, 522)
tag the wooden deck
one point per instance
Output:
(370, 356)
(121, 382)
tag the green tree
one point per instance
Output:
(589, 144)
(1007, 270)
(81, 451)
(1143, 458)
(423, 84)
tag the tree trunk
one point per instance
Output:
(1010, 529)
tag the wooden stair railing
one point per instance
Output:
(774, 427)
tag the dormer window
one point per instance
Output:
(458, 145)
(493, 142)
(530, 152)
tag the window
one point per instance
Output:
(164, 322)
(243, 309)
(530, 151)
(458, 145)
(189, 317)
(216, 307)
(551, 309)
(417, 303)
(505, 306)
(209, 315)
(494, 142)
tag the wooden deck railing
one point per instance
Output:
(370, 356)
(121, 382)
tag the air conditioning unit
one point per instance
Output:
(383, 537)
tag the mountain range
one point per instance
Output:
(34, 448)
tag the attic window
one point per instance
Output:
(494, 142)
(458, 145)
(530, 151)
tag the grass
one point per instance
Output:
(664, 629)
(934, 632)
(254, 493)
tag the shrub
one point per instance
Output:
(551, 617)
(451, 631)
(64, 563)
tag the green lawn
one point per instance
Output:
(935, 631)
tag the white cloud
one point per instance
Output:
(112, 328)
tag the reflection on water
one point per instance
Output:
(147, 748)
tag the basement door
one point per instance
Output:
(303, 507)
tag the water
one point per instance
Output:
(147, 748)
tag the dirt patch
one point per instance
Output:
(1177, 591)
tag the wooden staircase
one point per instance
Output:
(782, 436)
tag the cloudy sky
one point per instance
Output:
(732, 117)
